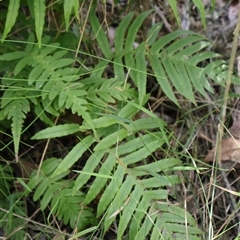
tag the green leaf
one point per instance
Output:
(41, 189)
(20, 180)
(120, 198)
(195, 76)
(12, 14)
(141, 76)
(110, 191)
(35, 73)
(161, 181)
(135, 224)
(195, 59)
(133, 157)
(90, 165)
(120, 32)
(188, 53)
(86, 116)
(111, 139)
(16, 110)
(61, 63)
(173, 4)
(200, 6)
(39, 11)
(146, 226)
(153, 34)
(134, 28)
(130, 207)
(100, 36)
(163, 41)
(73, 155)
(30, 4)
(22, 64)
(76, 10)
(151, 168)
(12, 56)
(49, 165)
(57, 131)
(162, 78)
(129, 46)
(99, 183)
(47, 197)
(180, 44)
(68, 6)
(180, 80)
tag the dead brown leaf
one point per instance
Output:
(230, 150)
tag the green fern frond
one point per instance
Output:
(57, 193)
(177, 62)
(132, 187)
(72, 209)
(175, 59)
(102, 92)
(16, 110)
(49, 71)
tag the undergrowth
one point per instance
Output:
(111, 174)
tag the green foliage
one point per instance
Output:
(57, 193)
(12, 212)
(128, 183)
(5, 181)
(11, 16)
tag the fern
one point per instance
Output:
(174, 58)
(127, 185)
(57, 193)
(15, 104)
(50, 77)
(127, 188)
(131, 192)
(131, 187)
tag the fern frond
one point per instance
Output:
(177, 62)
(57, 193)
(102, 92)
(50, 72)
(175, 59)
(130, 187)
(16, 110)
